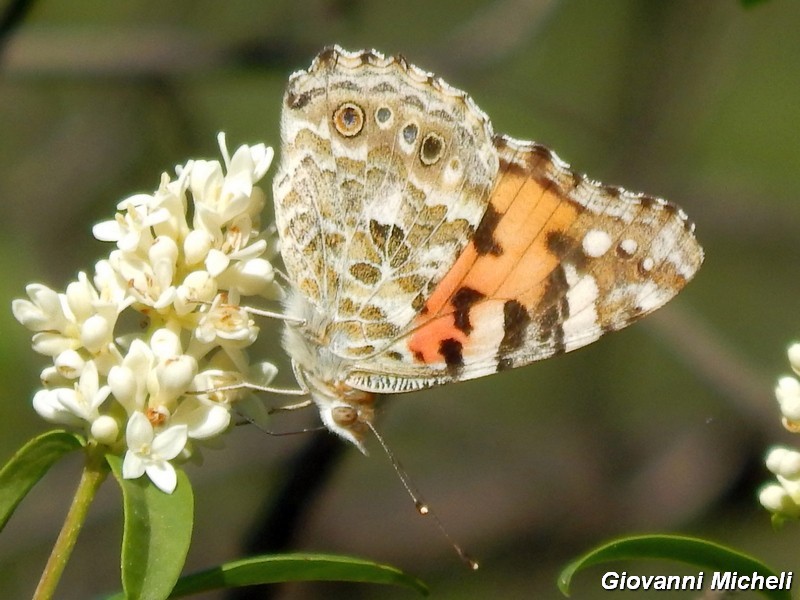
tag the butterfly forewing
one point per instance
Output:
(556, 261)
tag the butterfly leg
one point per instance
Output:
(295, 406)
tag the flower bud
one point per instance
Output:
(95, 333)
(196, 246)
(69, 364)
(105, 429)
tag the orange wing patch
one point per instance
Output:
(502, 268)
(556, 261)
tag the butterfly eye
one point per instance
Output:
(348, 119)
(344, 415)
(431, 149)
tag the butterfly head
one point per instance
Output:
(349, 416)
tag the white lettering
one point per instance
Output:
(721, 581)
(610, 580)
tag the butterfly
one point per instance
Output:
(423, 249)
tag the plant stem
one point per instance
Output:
(94, 472)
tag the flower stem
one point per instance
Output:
(94, 472)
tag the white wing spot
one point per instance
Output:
(596, 243)
(628, 247)
(582, 298)
(648, 264)
(453, 173)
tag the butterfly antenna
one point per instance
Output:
(421, 506)
(271, 314)
(249, 420)
(261, 312)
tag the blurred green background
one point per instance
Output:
(660, 428)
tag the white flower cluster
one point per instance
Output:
(185, 257)
(783, 498)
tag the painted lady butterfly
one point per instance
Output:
(423, 249)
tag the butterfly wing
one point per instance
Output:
(385, 174)
(556, 261)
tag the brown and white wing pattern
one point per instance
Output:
(557, 261)
(385, 174)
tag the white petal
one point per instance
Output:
(163, 249)
(166, 298)
(80, 296)
(74, 402)
(165, 343)
(90, 380)
(251, 277)
(139, 432)
(205, 180)
(162, 474)
(199, 286)
(223, 147)
(45, 402)
(53, 344)
(139, 357)
(216, 262)
(263, 373)
(175, 374)
(133, 466)
(204, 420)
(107, 231)
(29, 315)
(169, 442)
(70, 364)
(42, 312)
(96, 401)
(45, 298)
(217, 420)
(254, 250)
(51, 378)
(262, 156)
(122, 382)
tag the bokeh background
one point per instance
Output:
(660, 428)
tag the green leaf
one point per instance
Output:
(156, 535)
(693, 551)
(295, 567)
(751, 3)
(29, 465)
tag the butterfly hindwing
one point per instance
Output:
(385, 174)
